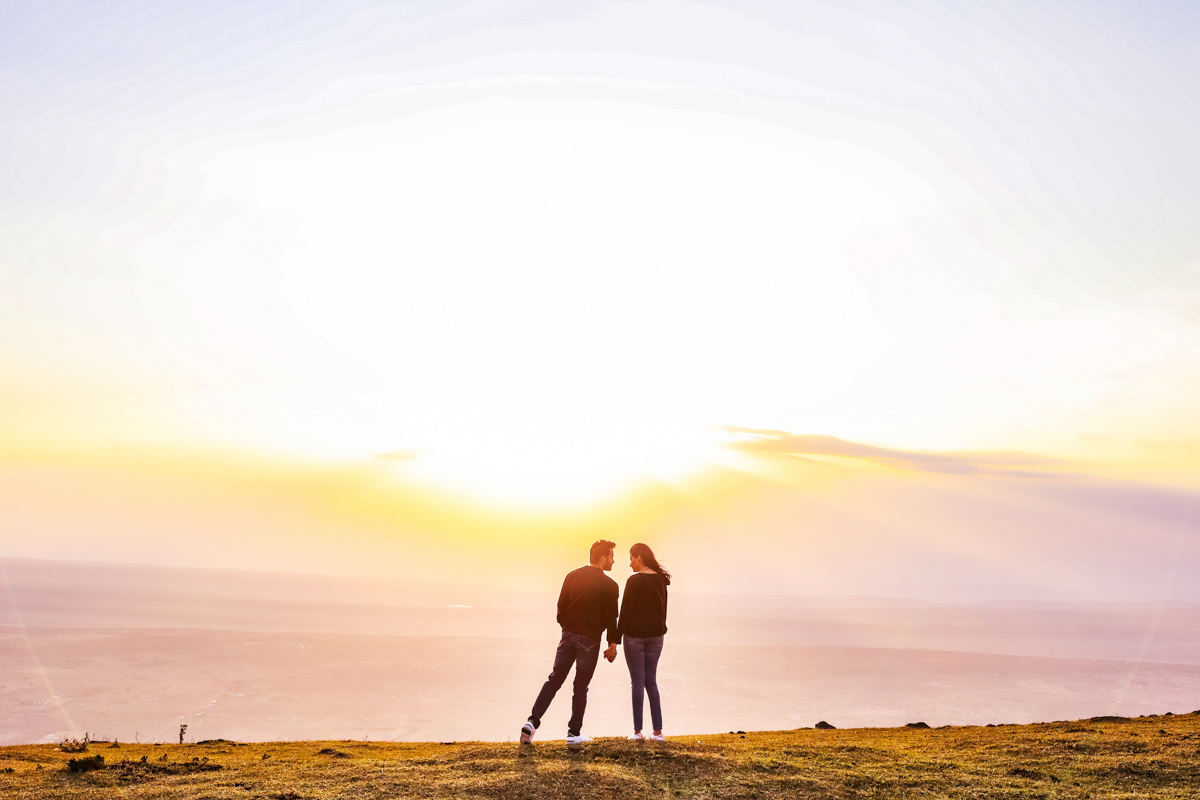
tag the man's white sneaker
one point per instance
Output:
(527, 732)
(636, 737)
(578, 739)
(657, 737)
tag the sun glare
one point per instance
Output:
(557, 465)
(554, 298)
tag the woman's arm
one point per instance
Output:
(622, 620)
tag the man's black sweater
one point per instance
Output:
(587, 604)
(644, 606)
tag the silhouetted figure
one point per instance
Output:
(587, 606)
(642, 628)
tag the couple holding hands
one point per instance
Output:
(587, 606)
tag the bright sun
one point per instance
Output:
(548, 299)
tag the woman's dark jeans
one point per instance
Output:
(642, 657)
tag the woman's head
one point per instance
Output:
(643, 553)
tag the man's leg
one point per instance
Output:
(587, 653)
(564, 656)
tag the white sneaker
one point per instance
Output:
(636, 737)
(527, 732)
(578, 739)
(657, 737)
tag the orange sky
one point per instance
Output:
(943, 527)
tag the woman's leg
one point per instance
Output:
(635, 658)
(653, 648)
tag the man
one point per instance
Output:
(587, 605)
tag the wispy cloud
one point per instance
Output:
(398, 455)
(776, 442)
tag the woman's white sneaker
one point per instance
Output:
(657, 737)
(636, 737)
(578, 739)
(527, 732)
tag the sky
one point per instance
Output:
(896, 298)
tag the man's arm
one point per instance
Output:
(610, 618)
(562, 598)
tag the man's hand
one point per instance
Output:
(611, 653)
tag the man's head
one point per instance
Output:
(602, 554)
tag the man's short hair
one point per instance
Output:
(600, 549)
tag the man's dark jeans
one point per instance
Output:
(583, 653)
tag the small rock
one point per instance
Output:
(920, 725)
(329, 751)
(740, 732)
(824, 726)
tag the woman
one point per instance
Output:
(643, 624)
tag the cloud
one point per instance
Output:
(774, 442)
(398, 455)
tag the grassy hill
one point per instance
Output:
(1105, 757)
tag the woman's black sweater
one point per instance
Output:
(643, 606)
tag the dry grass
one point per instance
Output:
(1102, 758)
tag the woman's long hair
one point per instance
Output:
(647, 556)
